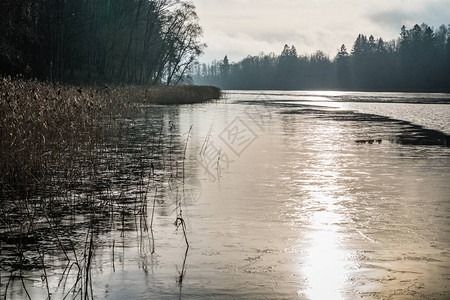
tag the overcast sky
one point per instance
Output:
(238, 28)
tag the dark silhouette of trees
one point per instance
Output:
(19, 34)
(287, 67)
(225, 67)
(123, 41)
(343, 67)
(419, 60)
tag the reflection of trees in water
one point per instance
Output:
(114, 189)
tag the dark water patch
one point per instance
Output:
(369, 141)
(342, 96)
(436, 99)
(397, 131)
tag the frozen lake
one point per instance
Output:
(308, 195)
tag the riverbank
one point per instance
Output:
(44, 125)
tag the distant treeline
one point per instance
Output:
(96, 41)
(418, 61)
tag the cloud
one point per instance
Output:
(434, 14)
(242, 27)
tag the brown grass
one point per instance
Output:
(43, 125)
(39, 121)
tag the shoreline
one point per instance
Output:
(44, 123)
(345, 90)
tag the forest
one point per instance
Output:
(99, 41)
(419, 60)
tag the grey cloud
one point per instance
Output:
(433, 14)
(390, 18)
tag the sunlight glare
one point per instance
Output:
(325, 265)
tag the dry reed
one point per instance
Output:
(182, 94)
(61, 150)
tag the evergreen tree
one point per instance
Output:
(225, 67)
(343, 68)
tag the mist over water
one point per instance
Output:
(308, 195)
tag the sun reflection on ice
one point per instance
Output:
(325, 265)
(325, 261)
(327, 93)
